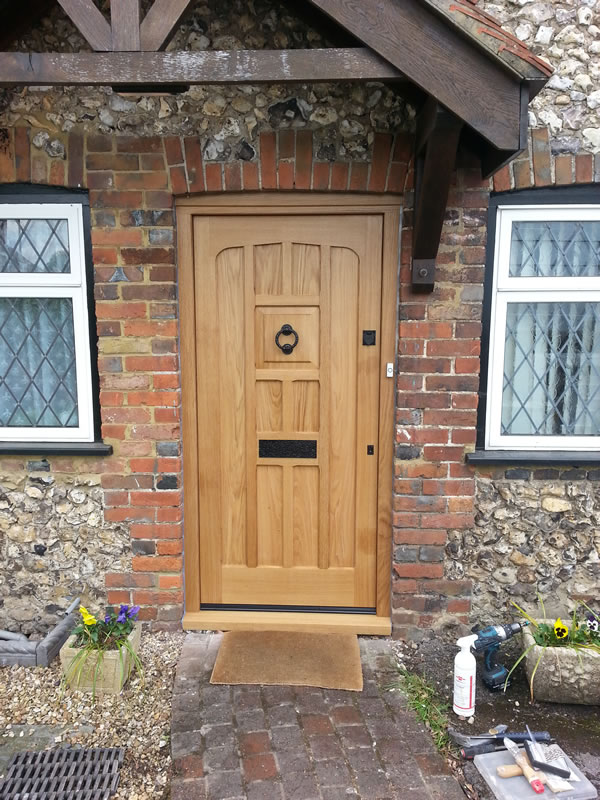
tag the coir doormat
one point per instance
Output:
(326, 660)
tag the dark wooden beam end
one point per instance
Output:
(438, 133)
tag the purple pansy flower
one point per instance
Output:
(107, 619)
(122, 616)
(133, 612)
(593, 624)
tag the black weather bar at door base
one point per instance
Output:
(297, 609)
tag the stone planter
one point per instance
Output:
(564, 675)
(112, 674)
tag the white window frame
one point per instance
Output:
(507, 289)
(72, 285)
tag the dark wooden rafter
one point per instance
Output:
(125, 25)
(90, 22)
(195, 67)
(161, 21)
(438, 132)
(439, 60)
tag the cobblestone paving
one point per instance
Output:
(299, 743)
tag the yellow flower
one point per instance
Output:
(88, 619)
(560, 629)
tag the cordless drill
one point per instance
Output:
(488, 642)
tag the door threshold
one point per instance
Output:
(306, 622)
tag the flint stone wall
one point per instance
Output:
(530, 535)
(61, 518)
(566, 33)
(228, 119)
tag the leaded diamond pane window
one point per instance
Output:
(34, 245)
(544, 370)
(38, 371)
(45, 360)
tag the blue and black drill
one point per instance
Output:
(488, 642)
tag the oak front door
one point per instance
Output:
(287, 311)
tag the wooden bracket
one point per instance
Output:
(438, 132)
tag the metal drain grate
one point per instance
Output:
(63, 774)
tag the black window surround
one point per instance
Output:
(570, 195)
(32, 194)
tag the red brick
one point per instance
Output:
(150, 328)
(268, 160)
(141, 180)
(449, 418)
(404, 586)
(381, 158)
(449, 487)
(541, 157)
(423, 400)
(464, 436)
(150, 363)
(214, 177)
(419, 536)
(178, 180)
(163, 498)
(403, 147)
(461, 505)
(110, 199)
(286, 175)
(190, 766)
(260, 767)
(250, 176)
(359, 176)
(170, 547)
(173, 150)
(158, 199)
(156, 563)
(169, 514)
(233, 176)
(116, 597)
(447, 521)
(304, 158)
(22, 154)
(170, 581)
(316, 723)
(435, 453)
(452, 383)
(105, 255)
(339, 177)
(99, 143)
(127, 514)
(466, 366)
(563, 168)
(419, 570)
(254, 743)
(454, 347)
(117, 236)
(410, 469)
(129, 580)
(423, 365)
(166, 381)
(502, 180)
(39, 169)
(56, 176)
(139, 144)
(152, 162)
(139, 531)
(584, 168)
(427, 330)
(459, 605)
(320, 179)
(126, 415)
(287, 145)
(114, 310)
(111, 162)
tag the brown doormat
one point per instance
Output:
(326, 660)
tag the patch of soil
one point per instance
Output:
(576, 728)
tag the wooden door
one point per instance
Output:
(287, 311)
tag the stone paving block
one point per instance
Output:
(432, 764)
(216, 735)
(252, 743)
(248, 721)
(333, 773)
(444, 788)
(224, 785)
(184, 721)
(316, 723)
(182, 744)
(215, 694)
(264, 790)
(277, 695)
(260, 767)
(346, 715)
(339, 793)
(191, 766)
(355, 736)
(213, 712)
(283, 715)
(188, 790)
(288, 738)
(325, 746)
(300, 786)
(293, 760)
(221, 758)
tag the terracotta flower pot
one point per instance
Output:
(564, 674)
(112, 673)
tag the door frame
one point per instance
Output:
(256, 203)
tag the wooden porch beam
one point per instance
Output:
(125, 25)
(439, 60)
(161, 21)
(90, 22)
(195, 67)
(438, 132)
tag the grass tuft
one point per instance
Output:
(424, 700)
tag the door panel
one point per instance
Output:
(299, 526)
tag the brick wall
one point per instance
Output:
(131, 183)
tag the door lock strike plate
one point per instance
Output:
(369, 338)
(389, 370)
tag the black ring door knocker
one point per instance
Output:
(287, 348)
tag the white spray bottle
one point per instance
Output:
(465, 668)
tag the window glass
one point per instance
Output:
(552, 369)
(555, 249)
(34, 245)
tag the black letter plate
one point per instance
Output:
(287, 448)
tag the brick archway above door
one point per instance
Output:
(285, 161)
